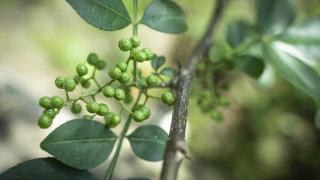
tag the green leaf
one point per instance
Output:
(157, 62)
(250, 65)
(291, 65)
(45, 168)
(149, 142)
(317, 119)
(165, 16)
(237, 33)
(169, 72)
(273, 16)
(108, 15)
(79, 143)
(305, 36)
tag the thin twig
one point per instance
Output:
(176, 143)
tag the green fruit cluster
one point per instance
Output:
(51, 107)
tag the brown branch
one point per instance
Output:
(176, 144)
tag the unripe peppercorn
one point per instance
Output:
(92, 59)
(120, 94)
(44, 121)
(168, 98)
(103, 110)
(76, 108)
(82, 69)
(59, 82)
(115, 120)
(149, 53)
(152, 80)
(108, 91)
(115, 73)
(69, 85)
(45, 102)
(146, 111)
(135, 41)
(57, 102)
(50, 112)
(125, 78)
(100, 64)
(77, 79)
(140, 56)
(85, 84)
(138, 116)
(125, 45)
(92, 107)
(108, 118)
(122, 66)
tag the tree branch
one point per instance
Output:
(176, 143)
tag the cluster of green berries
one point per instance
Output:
(119, 73)
(51, 107)
(132, 45)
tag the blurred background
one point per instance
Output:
(268, 131)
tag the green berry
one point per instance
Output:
(57, 102)
(85, 83)
(69, 85)
(120, 94)
(115, 73)
(152, 80)
(44, 121)
(92, 107)
(76, 108)
(77, 79)
(108, 118)
(146, 111)
(135, 41)
(100, 64)
(149, 53)
(125, 78)
(140, 56)
(92, 59)
(87, 117)
(138, 116)
(125, 44)
(103, 110)
(45, 102)
(168, 98)
(82, 69)
(108, 91)
(122, 66)
(115, 120)
(50, 112)
(59, 82)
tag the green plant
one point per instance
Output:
(84, 143)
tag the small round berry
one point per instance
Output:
(108, 118)
(146, 111)
(120, 94)
(85, 84)
(152, 80)
(77, 79)
(168, 98)
(138, 116)
(100, 65)
(125, 78)
(69, 85)
(103, 110)
(82, 69)
(149, 53)
(76, 108)
(50, 112)
(122, 66)
(108, 91)
(87, 117)
(140, 56)
(135, 41)
(45, 102)
(59, 82)
(125, 44)
(92, 107)
(92, 59)
(57, 102)
(44, 121)
(115, 73)
(115, 120)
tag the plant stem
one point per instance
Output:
(124, 131)
(135, 33)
